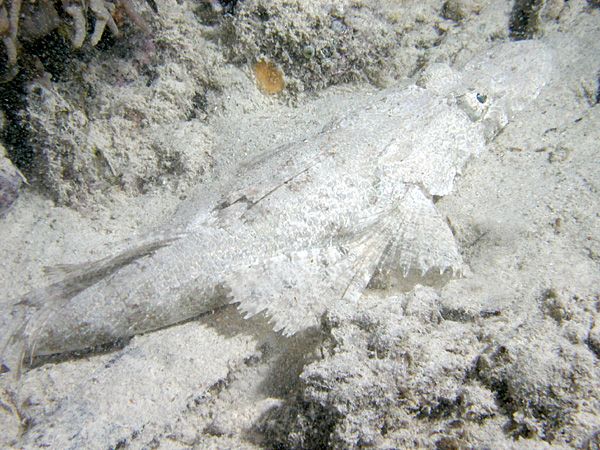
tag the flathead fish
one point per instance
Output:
(302, 226)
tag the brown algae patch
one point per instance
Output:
(269, 77)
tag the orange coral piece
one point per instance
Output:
(269, 77)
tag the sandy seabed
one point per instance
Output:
(505, 357)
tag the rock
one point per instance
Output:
(10, 182)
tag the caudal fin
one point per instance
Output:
(29, 315)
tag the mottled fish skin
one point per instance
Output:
(303, 226)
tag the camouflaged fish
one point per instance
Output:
(303, 226)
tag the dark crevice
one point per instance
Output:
(15, 134)
(298, 424)
(524, 19)
(47, 55)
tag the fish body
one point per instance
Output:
(299, 227)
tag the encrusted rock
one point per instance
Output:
(10, 182)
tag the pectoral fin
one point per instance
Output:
(420, 245)
(296, 288)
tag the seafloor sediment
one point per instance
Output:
(505, 357)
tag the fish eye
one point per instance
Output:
(481, 98)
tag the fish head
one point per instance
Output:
(496, 84)
(504, 80)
